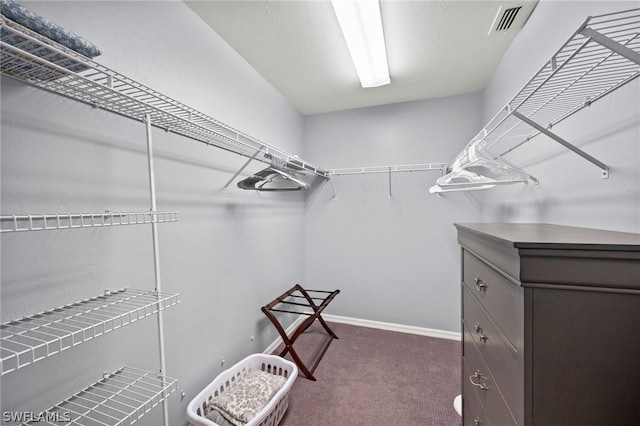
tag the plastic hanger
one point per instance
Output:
(475, 170)
(273, 179)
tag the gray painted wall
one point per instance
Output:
(395, 260)
(229, 254)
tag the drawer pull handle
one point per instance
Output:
(477, 375)
(478, 328)
(480, 285)
(477, 421)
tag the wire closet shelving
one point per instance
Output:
(119, 398)
(45, 222)
(439, 168)
(36, 60)
(388, 169)
(36, 337)
(124, 396)
(601, 56)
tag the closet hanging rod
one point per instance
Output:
(44, 222)
(104, 88)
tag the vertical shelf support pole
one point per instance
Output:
(390, 196)
(156, 258)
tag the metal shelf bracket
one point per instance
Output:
(561, 141)
(612, 45)
(244, 166)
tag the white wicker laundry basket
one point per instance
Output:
(271, 414)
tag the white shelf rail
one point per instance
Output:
(601, 56)
(120, 398)
(440, 168)
(101, 87)
(28, 340)
(388, 169)
(44, 222)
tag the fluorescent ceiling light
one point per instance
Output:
(362, 29)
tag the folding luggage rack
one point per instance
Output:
(288, 298)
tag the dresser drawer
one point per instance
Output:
(478, 380)
(501, 298)
(501, 358)
(472, 412)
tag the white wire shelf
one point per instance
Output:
(44, 222)
(388, 169)
(120, 398)
(38, 61)
(429, 168)
(600, 57)
(28, 340)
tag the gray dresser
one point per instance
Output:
(551, 325)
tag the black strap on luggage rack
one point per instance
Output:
(306, 301)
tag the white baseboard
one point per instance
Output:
(401, 328)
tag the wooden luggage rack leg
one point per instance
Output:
(309, 302)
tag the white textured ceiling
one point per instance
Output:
(434, 48)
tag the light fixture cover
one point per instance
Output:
(361, 26)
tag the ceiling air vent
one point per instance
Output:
(504, 19)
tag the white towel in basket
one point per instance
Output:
(242, 401)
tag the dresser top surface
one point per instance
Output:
(542, 235)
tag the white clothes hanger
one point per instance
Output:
(474, 169)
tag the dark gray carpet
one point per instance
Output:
(375, 377)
